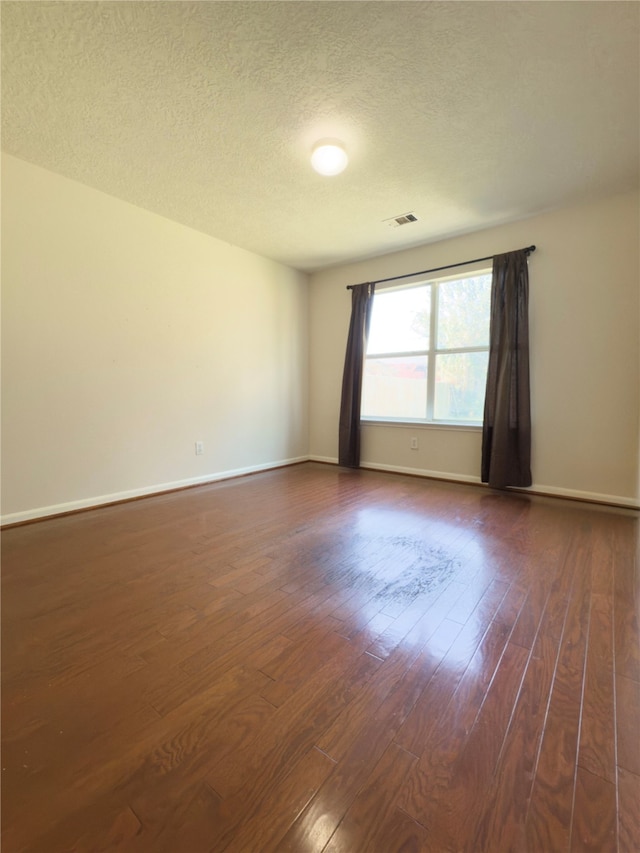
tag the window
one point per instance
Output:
(427, 353)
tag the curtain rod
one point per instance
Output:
(528, 250)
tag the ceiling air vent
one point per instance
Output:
(404, 219)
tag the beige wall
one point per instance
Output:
(128, 337)
(584, 322)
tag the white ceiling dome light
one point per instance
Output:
(329, 157)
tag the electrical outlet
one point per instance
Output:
(414, 443)
(199, 448)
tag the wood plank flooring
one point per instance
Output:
(315, 659)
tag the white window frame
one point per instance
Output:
(431, 353)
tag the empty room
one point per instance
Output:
(320, 426)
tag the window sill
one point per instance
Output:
(470, 427)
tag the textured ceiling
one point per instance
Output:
(466, 113)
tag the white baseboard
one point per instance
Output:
(578, 495)
(399, 469)
(145, 491)
(422, 472)
(159, 488)
(535, 489)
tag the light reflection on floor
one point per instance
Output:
(401, 565)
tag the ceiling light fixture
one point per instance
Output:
(329, 157)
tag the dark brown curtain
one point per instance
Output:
(506, 434)
(349, 436)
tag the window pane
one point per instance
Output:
(400, 321)
(460, 386)
(395, 387)
(463, 312)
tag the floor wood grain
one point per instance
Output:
(315, 659)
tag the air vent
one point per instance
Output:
(403, 219)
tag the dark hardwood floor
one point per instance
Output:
(314, 659)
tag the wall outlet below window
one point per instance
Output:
(414, 443)
(199, 448)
